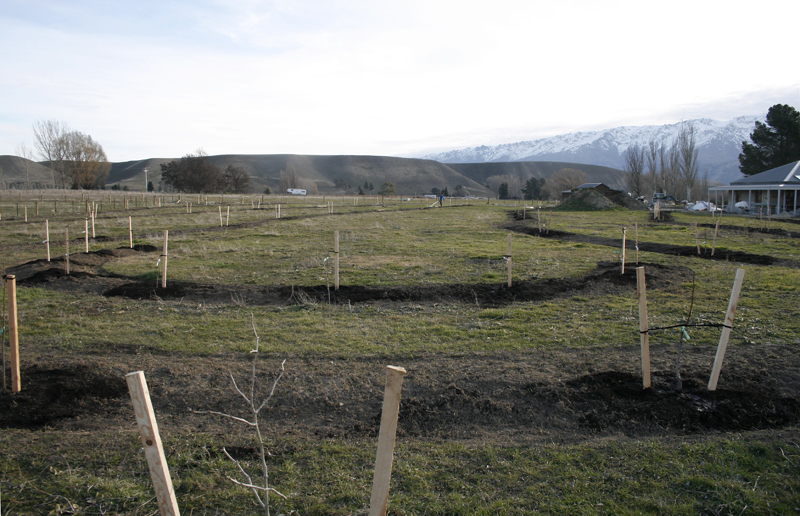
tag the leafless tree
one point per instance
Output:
(634, 167)
(687, 163)
(288, 178)
(652, 163)
(513, 182)
(564, 179)
(237, 180)
(48, 138)
(85, 162)
(26, 154)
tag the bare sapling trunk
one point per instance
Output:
(262, 490)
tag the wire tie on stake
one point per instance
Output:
(685, 333)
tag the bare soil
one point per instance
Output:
(563, 395)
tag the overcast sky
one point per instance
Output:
(163, 78)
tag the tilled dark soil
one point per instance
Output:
(564, 395)
(549, 395)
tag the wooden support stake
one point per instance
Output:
(94, 215)
(220, 216)
(509, 260)
(86, 234)
(151, 440)
(130, 232)
(228, 217)
(624, 236)
(47, 237)
(335, 260)
(164, 258)
(13, 333)
(66, 254)
(379, 502)
(716, 231)
(26, 213)
(641, 293)
(697, 238)
(539, 217)
(726, 330)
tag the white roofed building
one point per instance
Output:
(774, 191)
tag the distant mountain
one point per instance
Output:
(719, 145)
(329, 175)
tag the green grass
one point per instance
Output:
(721, 475)
(752, 473)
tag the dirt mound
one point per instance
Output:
(605, 278)
(51, 394)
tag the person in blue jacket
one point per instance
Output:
(441, 199)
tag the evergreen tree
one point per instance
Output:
(773, 144)
(533, 188)
(502, 192)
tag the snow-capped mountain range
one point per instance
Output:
(719, 144)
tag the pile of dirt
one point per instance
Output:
(592, 200)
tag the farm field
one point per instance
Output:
(525, 399)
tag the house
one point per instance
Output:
(597, 187)
(775, 191)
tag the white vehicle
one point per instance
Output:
(296, 191)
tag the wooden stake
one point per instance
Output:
(13, 333)
(130, 232)
(47, 237)
(726, 330)
(220, 216)
(151, 440)
(164, 258)
(86, 234)
(624, 236)
(716, 231)
(94, 215)
(228, 217)
(641, 293)
(509, 260)
(697, 238)
(335, 260)
(637, 243)
(26, 213)
(379, 501)
(66, 255)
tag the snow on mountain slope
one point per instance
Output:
(719, 145)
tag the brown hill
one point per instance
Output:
(21, 173)
(329, 174)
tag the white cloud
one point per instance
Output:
(348, 76)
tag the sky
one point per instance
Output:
(164, 78)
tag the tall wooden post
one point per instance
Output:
(716, 231)
(220, 216)
(379, 501)
(228, 217)
(510, 266)
(13, 333)
(94, 215)
(335, 260)
(151, 440)
(697, 238)
(130, 232)
(47, 237)
(164, 258)
(726, 330)
(66, 254)
(641, 293)
(624, 236)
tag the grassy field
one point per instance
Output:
(464, 445)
